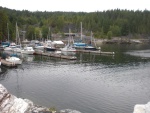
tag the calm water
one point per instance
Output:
(90, 84)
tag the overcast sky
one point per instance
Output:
(75, 5)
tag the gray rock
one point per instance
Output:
(142, 108)
(11, 104)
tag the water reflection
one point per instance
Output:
(140, 53)
(27, 58)
(68, 53)
(3, 73)
(18, 82)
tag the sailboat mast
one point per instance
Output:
(49, 34)
(93, 39)
(16, 33)
(69, 36)
(81, 30)
(91, 36)
(19, 41)
(35, 35)
(8, 31)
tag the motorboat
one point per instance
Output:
(39, 46)
(90, 47)
(50, 48)
(28, 50)
(68, 48)
(14, 60)
(17, 49)
(8, 49)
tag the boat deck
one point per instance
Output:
(8, 64)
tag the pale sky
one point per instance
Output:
(75, 5)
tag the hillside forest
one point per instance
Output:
(105, 24)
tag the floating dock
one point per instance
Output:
(73, 57)
(8, 64)
(97, 52)
(56, 55)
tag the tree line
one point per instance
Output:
(105, 24)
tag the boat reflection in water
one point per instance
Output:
(27, 58)
(3, 72)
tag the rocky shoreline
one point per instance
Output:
(11, 104)
(122, 41)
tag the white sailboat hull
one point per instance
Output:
(14, 60)
(28, 50)
(68, 49)
(18, 50)
(7, 49)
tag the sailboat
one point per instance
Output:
(79, 44)
(39, 46)
(17, 47)
(90, 46)
(5, 45)
(28, 50)
(68, 47)
(14, 60)
(49, 46)
(13, 47)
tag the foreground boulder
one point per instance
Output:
(142, 108)
(11, 104)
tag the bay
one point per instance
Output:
(91, 84)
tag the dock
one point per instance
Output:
(73, 57)
(8, 64)
(96, 52)
(56, 55)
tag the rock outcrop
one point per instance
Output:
(11, 104)
(142, 108)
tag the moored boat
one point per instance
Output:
(79, 44)
(68, 48)
(50, 48)
(90, 45)
(28, 50)
(14, 60)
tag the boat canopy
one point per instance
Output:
(58, 42)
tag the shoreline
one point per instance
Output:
(122, 41)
